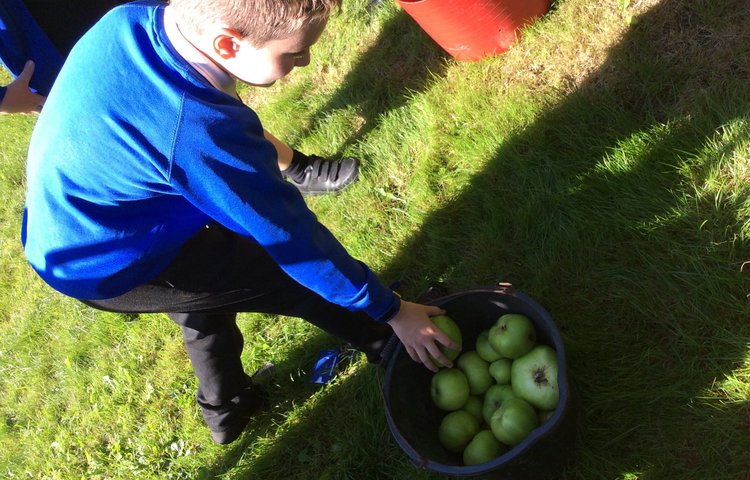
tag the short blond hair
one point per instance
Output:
(258, 21)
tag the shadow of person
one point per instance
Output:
(399, 63)
(563, 211)
(582, 210)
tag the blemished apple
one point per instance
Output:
(483, 448)
(477, 371)
(457, 429)
(512, 335)
(500, 370)
(484, 349)
(494, 398)
(450, 328)
(513, 421)
(474, 406)
(534, 377)
(449, 389)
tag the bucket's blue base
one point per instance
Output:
(413, 419)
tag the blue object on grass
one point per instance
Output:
(325, 367)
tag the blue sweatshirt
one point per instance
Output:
(144, 155)
(21, 39)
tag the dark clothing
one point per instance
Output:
(65, 21)
(44, 31)
(21, 40)
(218, 273)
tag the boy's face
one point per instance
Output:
(262, 66)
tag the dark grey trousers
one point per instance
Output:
(217, 274)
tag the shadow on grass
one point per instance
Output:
(652, 320)
(647, 290)
(322, 438)
(400, 62)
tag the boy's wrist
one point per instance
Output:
(392, 311)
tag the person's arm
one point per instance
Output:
(18, 96)
(223, 164)
(236, 182)
(284, 152)
(21, 40)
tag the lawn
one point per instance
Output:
(602, 166)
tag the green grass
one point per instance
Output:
(602, 166)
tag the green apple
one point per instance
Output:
(512, 335)
(477, 371)
(483, 448)
(449, 389)
(446, 324)
(513, 421)
(534, 377)
(474, 406)
(500, 370)
(457, 429)
(494, 398)
(484, 349)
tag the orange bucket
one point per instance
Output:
(471, 30)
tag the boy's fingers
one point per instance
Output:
(446, 341)
(27, 72)
(438, 354)
(420, 355)
(424, 357)
(412, 353)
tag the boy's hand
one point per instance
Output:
(18, 97)
(419, 335)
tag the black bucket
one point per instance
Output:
(413, 419)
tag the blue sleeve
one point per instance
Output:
(224, 166)
(21, 40)
(2, 93)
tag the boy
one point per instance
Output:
(156, 190)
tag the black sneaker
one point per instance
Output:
(327, 176)
(264, 375)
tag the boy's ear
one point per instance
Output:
(226, 44)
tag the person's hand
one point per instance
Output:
(18, 97)
(419, 335)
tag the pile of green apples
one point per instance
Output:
(496, 394)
